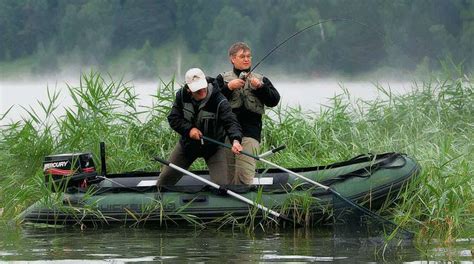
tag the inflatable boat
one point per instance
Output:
(132, 198)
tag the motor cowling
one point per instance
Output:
(68, 170)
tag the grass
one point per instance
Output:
(434, 123)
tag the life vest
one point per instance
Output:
(205, 121)
(244, 96)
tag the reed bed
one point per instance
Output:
(433, 123)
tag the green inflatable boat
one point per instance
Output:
(132, 198)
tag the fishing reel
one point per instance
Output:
(244, 75)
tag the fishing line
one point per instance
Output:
(308, 27)
(316, 24)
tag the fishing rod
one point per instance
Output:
(306, 28)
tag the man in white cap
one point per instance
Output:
(200, 109)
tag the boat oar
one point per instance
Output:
(327, 188)
(229, 192)
(271, 151)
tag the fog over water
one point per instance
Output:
(309, 94)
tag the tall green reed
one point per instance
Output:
(433, 123)
(102, 110)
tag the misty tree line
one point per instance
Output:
(152, 35)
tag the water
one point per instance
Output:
(178, 245)
(125, 245)
(310, 95)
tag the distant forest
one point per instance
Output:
(149, 38)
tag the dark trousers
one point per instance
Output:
(216, 163)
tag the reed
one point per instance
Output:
(299, 205)
(433, 123)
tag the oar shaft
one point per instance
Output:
(327, 188)
(347, 200)
(271, 151)
(268, 162)
(216, 186)
(294, 173)
(229, 147)
(197, 177)
(245, 199)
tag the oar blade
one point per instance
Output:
(351, 220)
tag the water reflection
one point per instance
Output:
(123, 245)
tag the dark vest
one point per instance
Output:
(206, 121)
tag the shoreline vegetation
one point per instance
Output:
(144, 38)
(434, 123)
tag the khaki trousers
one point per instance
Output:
(241, 168)
(216, 164)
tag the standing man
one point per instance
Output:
(200, 109)
(248, 95)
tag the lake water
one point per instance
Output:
(128, 245)
(310, 95)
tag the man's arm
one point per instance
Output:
(229, 121)
(223, 87)
(267, 93)
(176, 117)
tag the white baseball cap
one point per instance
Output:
(195, 79)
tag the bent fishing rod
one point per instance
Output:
(304, 29)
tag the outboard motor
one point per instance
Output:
(69, 170)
